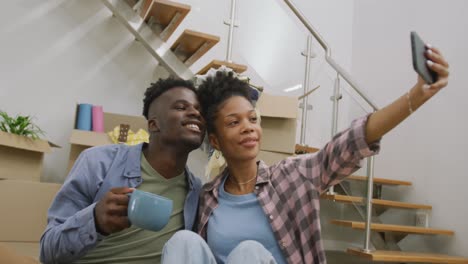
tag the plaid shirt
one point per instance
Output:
(289, 192)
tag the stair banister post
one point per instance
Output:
(308, 55)
(370, 186)
(231, 31)
(336, 102)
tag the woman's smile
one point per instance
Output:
(249, 142)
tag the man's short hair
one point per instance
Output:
(160, 87)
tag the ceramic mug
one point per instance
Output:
(149, 211)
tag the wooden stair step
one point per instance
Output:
(393, 228)
(300, 149)
(191, 45)
(409, 257)
(238, 68)
(166, 15)
(376, 202)
(382, 181)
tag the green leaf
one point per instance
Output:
(20, 125)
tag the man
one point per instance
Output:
(87, 221)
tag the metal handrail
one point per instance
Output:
(343, 73)
(306, 88)
(328, 57)
(370, 190)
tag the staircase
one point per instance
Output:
(152, 22)
(389, 234)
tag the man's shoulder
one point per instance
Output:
(103, 150)
(110, 152)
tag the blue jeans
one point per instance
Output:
(188, 247)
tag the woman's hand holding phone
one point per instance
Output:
(437, 63)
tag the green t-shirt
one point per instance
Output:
(135, 245)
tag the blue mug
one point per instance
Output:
(149, 211)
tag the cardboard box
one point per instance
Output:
(24, 206)
(270, 157)
(81, 139)
(10, 253)
(21, 157)
(278, 121)
(279, 134)
(278, 106)
(27, 249)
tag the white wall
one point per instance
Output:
(430, 148)
(270, 39)
(57, 53)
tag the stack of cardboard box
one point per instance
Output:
(81, 140)
(24, 200)
(9, 255)
(278, 121)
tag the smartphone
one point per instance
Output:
(418, 49)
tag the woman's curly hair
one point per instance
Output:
(215, 90)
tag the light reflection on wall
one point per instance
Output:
(271, 42)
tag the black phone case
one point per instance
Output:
(418, 49)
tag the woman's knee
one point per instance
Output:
(187, 247)
(250, 245)
(250, 251)
(185, 237)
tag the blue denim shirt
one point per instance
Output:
(71, 231)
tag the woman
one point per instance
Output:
(276, 208)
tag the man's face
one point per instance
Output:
(175, 118)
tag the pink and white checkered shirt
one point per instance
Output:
(289, 192)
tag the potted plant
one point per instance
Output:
(19, 125)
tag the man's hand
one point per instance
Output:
(110, 213)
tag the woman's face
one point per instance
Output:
(238, 132)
